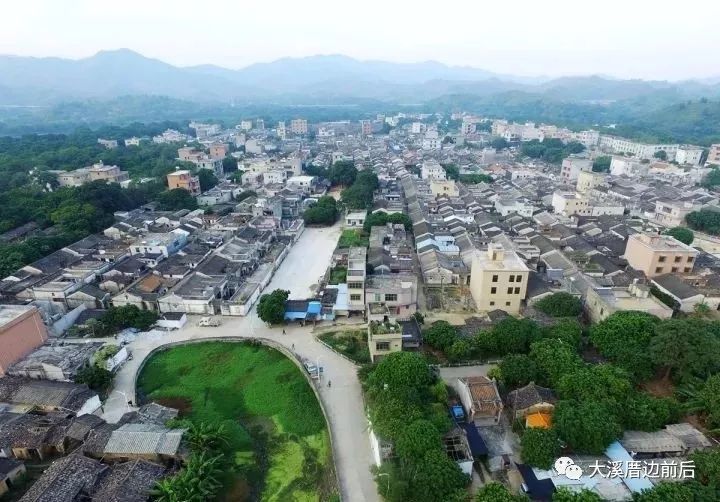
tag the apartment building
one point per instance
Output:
(573, 166)
(184, 179)
(21, 331)
(672, 213)
(622, 145)
(443, 187)
(659, 254)
(431, 169)
(601, 303)
(624, 166)
(365, 127)
(110, 174)
(588, 180)
(356, 272)
(299, 126)
(219, 150)
(687, 154)
(498, 280)
(391, 297)
(714, 154)
(571, 203)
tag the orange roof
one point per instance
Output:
(540, 420)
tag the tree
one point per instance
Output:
(460, 350)
(381, 219)
(601, 382)
(417, 438)
(670, 492)
(127, 316)
(567, 330)
(75, 218)
(539, 447)
(705, 220)
(560, 305)
(683, 234)
(436, 477)
(207, 179)
(204, 436)
(686, 347)
(175, 199)
(661, 154)
(587, 427)
(474, 179)
(704, 398)
(323, 212)
(271, 307)
(343, 172)
(707, 466)
(441, 335)
(452, 171)
(401, 370)
(644, 412)
(602, 164)
(517, 370)
(712, 178)
(624, 338)
(229, 164)
(392, 410)
(554, 358)
(499, 144)
(563, 494)
(97, 378)
(514, 336)
(496, 492)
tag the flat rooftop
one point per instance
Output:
(662, 243)
(9, 313)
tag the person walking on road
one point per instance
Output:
(283, 331)
(329, 383)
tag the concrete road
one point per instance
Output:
(299, 273)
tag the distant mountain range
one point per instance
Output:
(313, 80)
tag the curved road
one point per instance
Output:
(304, 265)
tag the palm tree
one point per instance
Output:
(205, 436)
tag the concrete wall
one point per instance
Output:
(20, 336)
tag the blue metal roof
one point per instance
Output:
(617, 453)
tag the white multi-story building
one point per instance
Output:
(431, 169)
(281, 130)
(688, 154)
(246, 125)
(431, 141)
(714, 154)
(624, 166)
(642, 150)
(573, 166)
(418, 128)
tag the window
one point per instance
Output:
(492, 304)
(355, 285)
(512, 278)
(507, 304)
(493, 291)
(678, 259)
(674, 269)
(377, 297)
(355, 298)
(661, 259)
(688, 270)
(495, 278)
(658, 270)
(510, 291)
(391, 297)
(518, 278)
(382, 345)
(517, 291)
(690, 259)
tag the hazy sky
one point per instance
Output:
(625, 38)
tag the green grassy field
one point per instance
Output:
(352, 344)
(352, 238)
(278, 432)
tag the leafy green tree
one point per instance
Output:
(452, 171)
(712, 178)
(343, 172)
(707, 466)
(624, 338)
(97, 378)
(271, 306)
(643, 412)
(441, 335)
(474, 179)
(704, 398)
(381, 219)
(567, 330)
(667, 491)
(539, 447)
(554, 358)
(176, 199)
(517, 370)
(563, 494)
(495, 492)
(229, 164)
(660, 154)
(323, 212)
(417, 438)
(599, 383)
(602, 164)
(460, 350)
(392, 410)
(686, 347)
(514, 336)
(75, 218)
(560, 305)
(587, 427)
(207, 179)
(401, 370)
(127, 316)
(436, 477)
(499, 144)
(205, 436)
(683, 234)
